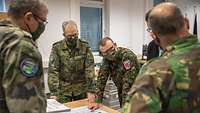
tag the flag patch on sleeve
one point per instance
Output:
(127, 64)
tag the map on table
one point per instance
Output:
(54, 106)
(85, 109)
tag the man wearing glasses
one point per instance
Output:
(71, 66)
(170, 83)
(21, 70)
(153, 50)
(120, 64)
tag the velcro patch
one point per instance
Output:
(29, 68)
(127, 64)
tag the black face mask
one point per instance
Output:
(111, 55)
(71, 40)
(36, 34)
(39, 31)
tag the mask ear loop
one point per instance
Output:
(29, 29)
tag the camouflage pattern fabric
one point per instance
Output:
(169, 84)
(122, 70)
(71, 71)
(21, 72)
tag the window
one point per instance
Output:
(2, 6)
(91, 26)
(91, 22)
(155, 2)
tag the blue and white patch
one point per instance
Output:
(29, 68)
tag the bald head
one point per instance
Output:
(166, 18)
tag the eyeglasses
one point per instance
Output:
(108, 51)
(44, 21)
(149, 30)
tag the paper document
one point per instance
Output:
(54, 106)
(85, 109)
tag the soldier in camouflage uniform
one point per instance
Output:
(118, 63)
(71, 66)
(21, 71)
(171, 83)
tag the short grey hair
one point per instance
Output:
(103, 41)
(70, 22)
(18, 8)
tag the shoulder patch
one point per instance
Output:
(83, 41)
(29, 67)
(127, 64)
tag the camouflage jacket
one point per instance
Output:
(21, 72)
(169, 84)
(71, 72)
(123, 71)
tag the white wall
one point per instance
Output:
(126, 23)
(58, 12)
(137, 8)
(189, 8)
(120, 20)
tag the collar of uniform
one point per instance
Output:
(19, 31)
(78, 43)
(182, 43)
(7, 22)
(64, 44)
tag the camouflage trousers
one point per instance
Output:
(66, 98)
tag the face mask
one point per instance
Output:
(71, 41)
(38, 32)
(111, 56)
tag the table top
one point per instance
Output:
(84, 102)
(142, 61)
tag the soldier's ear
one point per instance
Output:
(28, 17)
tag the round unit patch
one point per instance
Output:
(28, 67)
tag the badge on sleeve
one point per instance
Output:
(127, 64)
(28, 67)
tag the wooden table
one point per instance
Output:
(3, 15)
(142, 61)
(84, 102)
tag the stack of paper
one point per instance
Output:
(54, 106)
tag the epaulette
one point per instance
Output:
(83, 41)
(54, 44)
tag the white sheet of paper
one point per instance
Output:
(54, 106)
(85, 109)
